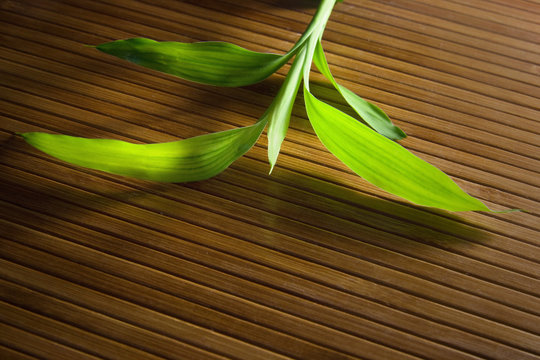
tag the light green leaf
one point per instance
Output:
(369, 112)
(383, 162)
(193, 159)
(212, 62)
(279, 112)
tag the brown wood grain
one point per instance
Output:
(310, 262)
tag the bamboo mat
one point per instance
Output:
(310, 262)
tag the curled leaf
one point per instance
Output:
(383, 162)
(370, 113)
(214, 63)
(193, 159)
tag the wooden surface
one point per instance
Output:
(310, 262)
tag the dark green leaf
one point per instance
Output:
(213, 63)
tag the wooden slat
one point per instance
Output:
(518, 21)
(486, 24)
(446, 31)
(11, 354)
(309, 262)
(69, 335)
(306, 309)
(146, 216)
(37, 346)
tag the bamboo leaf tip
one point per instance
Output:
(24, 135)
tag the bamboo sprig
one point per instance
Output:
(369, 149)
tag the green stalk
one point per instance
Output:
(317, 24)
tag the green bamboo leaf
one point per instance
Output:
(212, 62)
(279, 112)
(383, 162)
(369, 112)
(193, 159)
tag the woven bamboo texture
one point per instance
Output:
(310, 262)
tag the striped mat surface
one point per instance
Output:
(310, 262)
